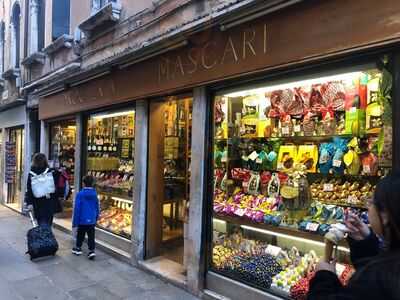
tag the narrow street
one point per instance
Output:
(67, 276)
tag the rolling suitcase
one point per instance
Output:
(41, 240)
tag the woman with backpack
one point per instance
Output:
(377, 265)
(41, 192)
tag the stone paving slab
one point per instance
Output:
(68, 277)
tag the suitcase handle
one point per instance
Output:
(33, 221)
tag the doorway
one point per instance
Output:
(14, 167)
(169, 179)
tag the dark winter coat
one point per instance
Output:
(377, 276)
(86, 208)
(43, 208)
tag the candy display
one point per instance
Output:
(290, 162)
(110, 160)
(116, 220)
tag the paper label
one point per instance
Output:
(253, 156)
(312, 227)
(285, 130)
(259, 161)
(328, 187)
(352, 199)
(245, 158)
(297, 128)
(273, 250)
(366, 169)
(240, 212)
(337, 163)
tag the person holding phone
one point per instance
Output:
(377, 264)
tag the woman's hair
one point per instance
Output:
(39, 161)
(386, 199)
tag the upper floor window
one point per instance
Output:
(61, 18)
(36, 25)
(15, 28)
(98, 4)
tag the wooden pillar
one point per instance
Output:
(140, 183)
(155, 190)
(196, 229)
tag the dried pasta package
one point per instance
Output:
(286, 157)
(307, 156)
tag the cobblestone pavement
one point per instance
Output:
(68, 277)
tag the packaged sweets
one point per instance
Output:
(286, 157)
(250, 107)
(307, 156)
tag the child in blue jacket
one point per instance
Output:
(86, 214)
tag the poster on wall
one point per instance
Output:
(11, 162)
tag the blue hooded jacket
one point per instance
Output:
(86, 208)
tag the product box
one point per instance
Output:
(355, 121)
(286, 157)
(248, 128)
(374, 120)
(307, 155)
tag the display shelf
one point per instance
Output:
(122, 198)
(364, 207)
(277, 230)
(300, 139)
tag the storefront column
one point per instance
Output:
(44, 138)
(79, 146)
(140, 188)
(29, 142)
(194, 241)
(3, 187)
(396, 111)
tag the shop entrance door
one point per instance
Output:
(14, 167)
(62, 157)
(169, 177)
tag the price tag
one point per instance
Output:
(285, 130)
(224, 157)
(352, 199)
(366, 169)
(253, 156)
(259, 161)
(353, 109)
(297, 128)
(337, 163)
(328, 187)
(273, 250)
(125, 177)
(280, 166)
(312, 227)
(245, 158)
(240, 212)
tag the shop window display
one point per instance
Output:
(110, 159)
(62, 157)
(290, 161)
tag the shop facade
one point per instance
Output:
(224, 162)
(13, 156)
